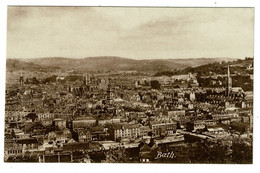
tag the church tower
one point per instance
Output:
(84, 80)
(110, 93)
(229, 83)
(88, 79)
(21, 79)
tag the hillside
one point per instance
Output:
(110, 63)
(236, 67)
(17, 65)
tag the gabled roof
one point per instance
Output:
(84, 131)
(145, 148)
(27, 141)
(97, 129)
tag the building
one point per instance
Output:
(192, 97)
(12, 148)
(217, 131)
(61, 123)
(99, 133)
(199, 124)
(249, 99)
(162, 129)
(109, 121)
(43, 116)
(84, 135)
(126, 131)
(147, 152)
(83, 123)
(59, 137)
(144, 131)
(178, 115)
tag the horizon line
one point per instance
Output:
(108, 56)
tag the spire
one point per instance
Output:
(21, 79)
(229, 82)
(228, 73)
(88, 79)
(110, 92)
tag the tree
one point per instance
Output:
(27, 81)
(209, 116)
(50, 79)
(12, 93)
(242, 152)
(217, 153)
(189, 126)
(32, 116)
(155, 84)
(35, 80)
(239, 126)
(146, 83)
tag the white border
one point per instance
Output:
(24, 167)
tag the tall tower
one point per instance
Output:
(229, 83)
(110, 93)
(84, 80)
(88, 79)
(21, 79)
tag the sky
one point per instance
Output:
(137, 33)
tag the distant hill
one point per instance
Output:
(18, 65)
(236, 66)
(111, 63)
(15, 65)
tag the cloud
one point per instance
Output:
(130, 32)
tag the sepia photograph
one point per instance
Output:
(144, 85)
